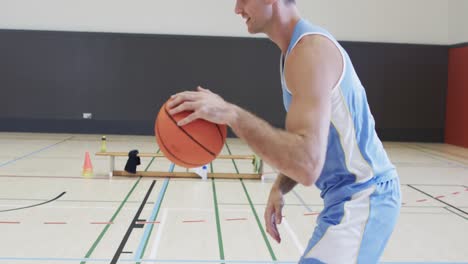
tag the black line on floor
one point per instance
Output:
(132, 225)
(425, 213)
(425, 165)
(34, 205)
(55, 177)
(454, 207)
(264, 204)
(73, 201)
(466, 218)
(321, 205)
(424, 184)
(428, 206)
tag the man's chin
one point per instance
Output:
(252, 31)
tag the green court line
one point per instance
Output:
(455, 213)
(233, 162)
(93, 247)
(273, 257)
(151, 161)
(220, 242)
(270, 249)
(218, 223)
(103, 232)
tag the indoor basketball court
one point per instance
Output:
(83, 84)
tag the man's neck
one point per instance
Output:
(282, 27)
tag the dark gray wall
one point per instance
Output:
(406, 87)
(48, 79)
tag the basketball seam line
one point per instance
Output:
(185, 132)
(167, 149)
(220, 134)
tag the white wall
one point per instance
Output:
(401, 21)
(458, 21)
(407, 21)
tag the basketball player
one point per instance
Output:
(329, 140)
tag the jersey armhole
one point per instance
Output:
(283, 62)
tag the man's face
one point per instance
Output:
(257, 13)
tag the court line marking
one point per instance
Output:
(148, 230)
(207, 209)
(443, 153)
(119, 250)
(437, 199)
(53, 177)
(293, 235)
(101, 235)
(103, 232)
(34, 205)
(438, 156)
(191, 260)
(71, 201)
(260, 226)
(157, 239)
(262, 231)
(301, 200)
(218, 221)
(34, 152)
(72, 207)
(462, 216)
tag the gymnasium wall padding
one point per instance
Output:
(48, 79)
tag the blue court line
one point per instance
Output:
(217, 261)
(191, 261)
(146, 260)
(152, 218)
(302, 201)
(32, 153)
(425, 262)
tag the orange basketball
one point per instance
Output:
(192, 145)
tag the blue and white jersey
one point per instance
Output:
(355, 156)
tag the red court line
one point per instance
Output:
(422, 200)
(315, 213)
(455, 193)
(440, 196)
(9, 222)
(54, 177)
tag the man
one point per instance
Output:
(329, 140)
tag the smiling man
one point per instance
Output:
(329, 140)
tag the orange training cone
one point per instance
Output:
(87, 167)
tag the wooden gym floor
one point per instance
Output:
(50, 213)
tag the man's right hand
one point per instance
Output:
(273, 213)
